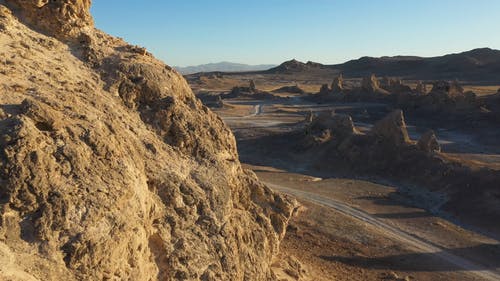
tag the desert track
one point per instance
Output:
(406, 238)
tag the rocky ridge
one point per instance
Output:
(111, 169)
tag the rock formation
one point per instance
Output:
(452, 89)
(219, 103)
(394, 86)
(324, 90)
(62, 19)
(338, 84)
(252, 86)
(329, 126)
(421, 88)
(428, 142)
(370, 83)
(392, 129)
(111, 169)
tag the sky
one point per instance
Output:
(192, 32)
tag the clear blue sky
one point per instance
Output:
(191, 32)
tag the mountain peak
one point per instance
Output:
(223, 66)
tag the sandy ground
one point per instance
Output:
(309, 82)
(352, 229)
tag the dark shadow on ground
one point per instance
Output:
(423, 261)
(410, 215)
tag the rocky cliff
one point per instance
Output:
(111, 169)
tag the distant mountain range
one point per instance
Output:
(478, 65)
(222, 67)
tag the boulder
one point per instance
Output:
(392, 128)
(428, 142)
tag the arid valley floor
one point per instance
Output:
(356, 226)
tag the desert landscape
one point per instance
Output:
(391, 173)
(115, 166)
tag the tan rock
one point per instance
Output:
(370, 83)
(64, 19)
(392, 128)
(452, 89)
(340, 125)
(117, 171)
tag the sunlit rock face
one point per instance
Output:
(64, 19)
(112, 169)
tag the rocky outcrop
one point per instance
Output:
(392, 129)
(219, 103)
(394, 86)
(111, 169)
(428, 142)
(452, 89)
(370, 83)
(338, 84)
(328, 126)
(64, 19)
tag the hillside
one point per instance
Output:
(222, 67)
(111, 169)
(478, 65)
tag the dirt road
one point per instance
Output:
(406, 238)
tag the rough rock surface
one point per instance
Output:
(428, 142)
(63, 19)
(392, 128)
(111, 169)
(328, 126)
